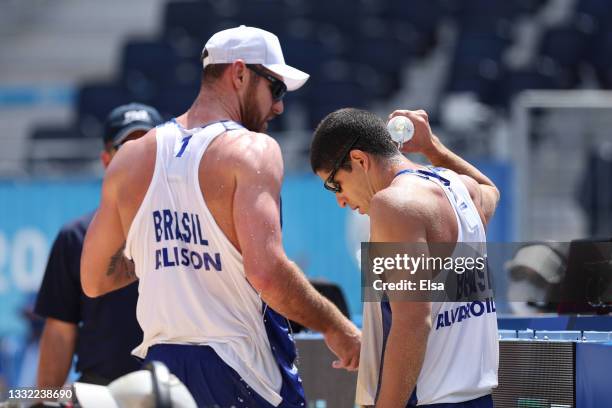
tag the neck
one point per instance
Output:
(387, 170)
(210, 106)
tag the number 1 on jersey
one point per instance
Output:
(185, 141)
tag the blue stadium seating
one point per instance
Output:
(327, 95)
(94, 103)
(545, 75)
(565, 45)
(356, 50)
(147, 65)
(601, 59)
(189, 18)
(270, 15)
(175, 100)
(306, 53)
(51, 132)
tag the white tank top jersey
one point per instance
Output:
(462, 354)
(192, 285)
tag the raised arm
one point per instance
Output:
(425, 142)
(280, 282)
(104, 268)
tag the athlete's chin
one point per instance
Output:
(363, 209)
(359, 209)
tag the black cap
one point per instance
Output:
(129, 118)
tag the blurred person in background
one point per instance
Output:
(412, 352)
(100, 332)
(198, 223)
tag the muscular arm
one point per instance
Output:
(487, 192)
(280, 282)
(395, 221)
(104, 268)
(439, 155)
(56, 350)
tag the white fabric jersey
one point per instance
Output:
(192, 287)
(462, 354)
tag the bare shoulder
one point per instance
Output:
(253, 143)
(411, 198)
(140, 151)
(133, 164)
(392, 201)
(399, 207)
(254, 151)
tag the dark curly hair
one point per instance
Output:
(338, 129)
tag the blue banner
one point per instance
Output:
(32, 212)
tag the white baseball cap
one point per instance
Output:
(254, 46)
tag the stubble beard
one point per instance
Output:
(251, 118)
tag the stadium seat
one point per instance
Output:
(476, 65)
(386, 59)
(344, 15)
(482, 10)
(270, 15)
(60, 149)
(599, 10)
(565, 45)
(545, 75)
(327, 95)
(175, 100)
(305, 53)
(49, 132)
(530, 6)
(494, 17)
(191, 19)
(95, 101)
(479, 44)
(601, 58)
(480, 77)
(146, 65)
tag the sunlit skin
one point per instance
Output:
(259, 108)
(408, 209)
(240, 94)
(240, 177)
(367, 176)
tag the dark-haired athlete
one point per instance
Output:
(413, 352)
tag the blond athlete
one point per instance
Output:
(199, 217)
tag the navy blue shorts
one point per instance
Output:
(210, 380)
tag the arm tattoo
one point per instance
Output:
(120, 265)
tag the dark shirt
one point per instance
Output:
(107, 325)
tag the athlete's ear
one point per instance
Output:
(105, 158)
(361, 159)
(239, 74)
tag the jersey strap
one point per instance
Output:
(426, 174)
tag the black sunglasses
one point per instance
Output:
(277, 87)
(331, 184)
